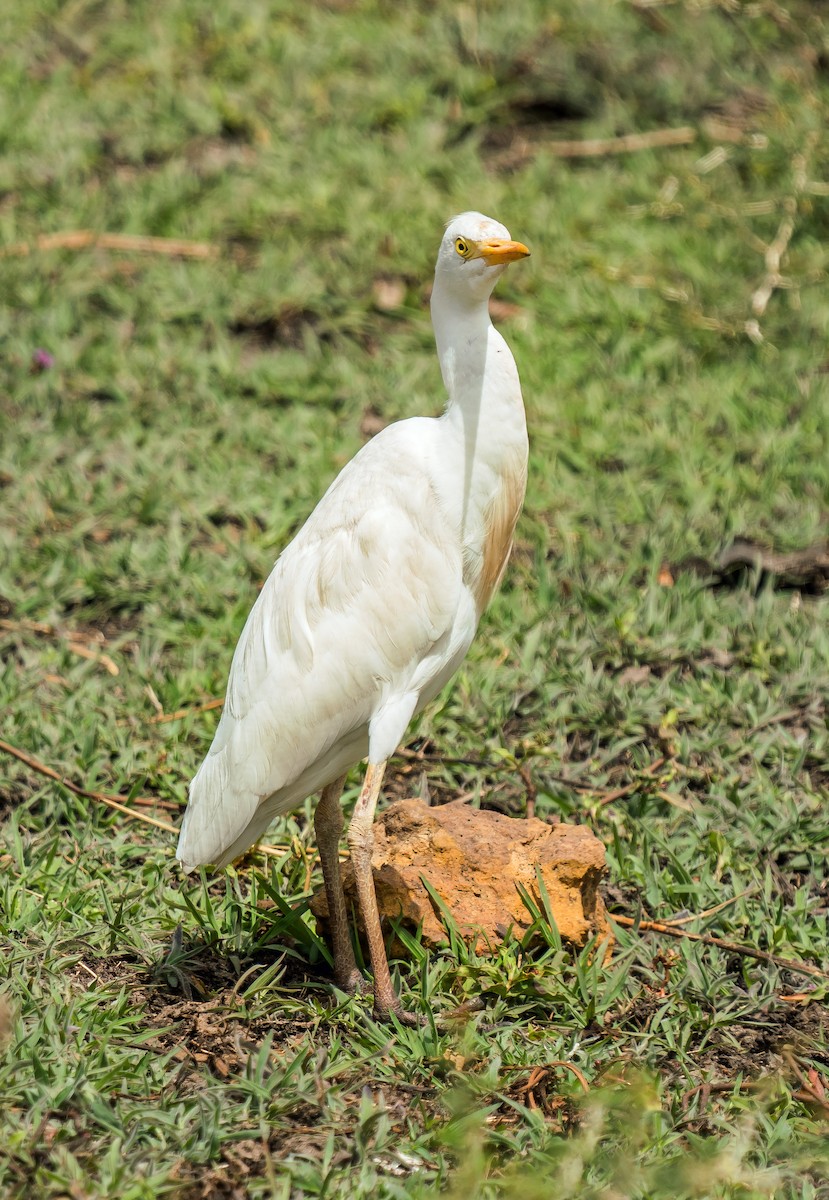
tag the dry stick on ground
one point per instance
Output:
(597, 147)
(93, 656)
(708, 939)
(554, 1062)
(721, 1085)
(811, 1091)
(82, 239)
(73, 641)
(652, 139)
(532, 791)
(774, 253)
(780, 243)
(180, 713)
(675, 922)
(782, 718)
(116, 802)
(617, 793)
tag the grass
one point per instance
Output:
(180, 1038)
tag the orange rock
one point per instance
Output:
(474, 860)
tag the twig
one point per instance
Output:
(780, 243)
(811, 1090)
(617, 793)
(782, 718)
(426, 756)
(708, 912)
(597, 147)
(532, 790)
(160, 718)
(88, 970)
(773, 279)
(418, 1089)
(82, 239)
(116, 802)
(69, 45)
(708, 939)
(72, 641)
(93, 656)
(721, 1085)
(554, 1062)
(29, 626)
(807, 1096)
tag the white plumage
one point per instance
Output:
(371, 608)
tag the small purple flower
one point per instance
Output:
(42, 360)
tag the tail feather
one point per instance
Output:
(217, 815)
(222, 820)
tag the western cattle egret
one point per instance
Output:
(372, 607)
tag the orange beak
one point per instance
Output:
(497, 251)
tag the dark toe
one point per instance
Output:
(414, 1020)
(352, 984)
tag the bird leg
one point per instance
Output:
(328, 825)
(361, 843)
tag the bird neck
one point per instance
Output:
(485, 406)
(461, 334)
(480, 376)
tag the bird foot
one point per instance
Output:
(384, 1013)
(352, 983)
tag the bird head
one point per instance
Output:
(472, 256)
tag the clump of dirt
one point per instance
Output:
(539, 1089)
(763, 1047)
(286, 326)
(477, 862)
(215, 1035)
(747, 1049)
(748, 561)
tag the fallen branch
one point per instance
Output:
(116, 802)
(720, 1085)
(93, 656)
(626, 144)
(783, 718)
(83, 239)
(812, 1090)
(708, 939)
(180, 713)
(618, 793)
(674, 922)
(549, 1066)
(532, 791)
(777, 248)
(73, 641)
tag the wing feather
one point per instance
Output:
(353, 606)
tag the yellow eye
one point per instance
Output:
(463, 247)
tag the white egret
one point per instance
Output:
(371, 608)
